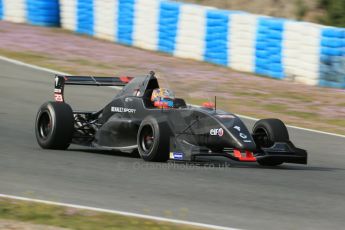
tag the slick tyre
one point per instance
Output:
(54, 125)
(153, 140)
(266, 133)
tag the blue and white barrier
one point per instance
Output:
(216, 38)
(278, 48)
(1, 10)
(301, 52)
(169, 15)
(191, 32)
(269, 47)
(332, 66)
(35, 12)
(14, 10)
(242, 35)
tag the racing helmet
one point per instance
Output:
(162, 98)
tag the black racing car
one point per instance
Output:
(181, 132)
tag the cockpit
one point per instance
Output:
(155, 97)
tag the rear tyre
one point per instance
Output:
(54, 125)
(153, 140)
(266, 133)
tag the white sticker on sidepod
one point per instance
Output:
(122, 110)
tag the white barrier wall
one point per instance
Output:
(105, 19)
(242, 42)
(14, 10)
(191, 32)
(68, 16)
(146, 21)
(302, 51)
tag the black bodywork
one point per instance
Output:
(193, 131)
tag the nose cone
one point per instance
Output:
(240, 137)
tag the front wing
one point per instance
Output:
(285, 152)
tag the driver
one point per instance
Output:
(163, 98)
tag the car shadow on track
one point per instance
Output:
(216, 162)
(292, 167)
(106, 152)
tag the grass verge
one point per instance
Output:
(72, 218)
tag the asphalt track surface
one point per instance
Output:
(242, 196)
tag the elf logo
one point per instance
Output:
(217, 132)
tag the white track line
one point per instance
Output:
(296, 127)
(31, 66)
(130, 214)
(246, 117)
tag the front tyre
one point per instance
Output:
(153, 140)
(54, 125)
(266, 133)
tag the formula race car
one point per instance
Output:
(152, 121)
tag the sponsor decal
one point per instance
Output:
(58, 97)
(217, 132)
(122, 110)
(238, 128)
(244, 136)
(136, 93)
(220, 132)
(128, 99)
(176, 155)
(56, 81)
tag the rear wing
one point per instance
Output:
(61, 81)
